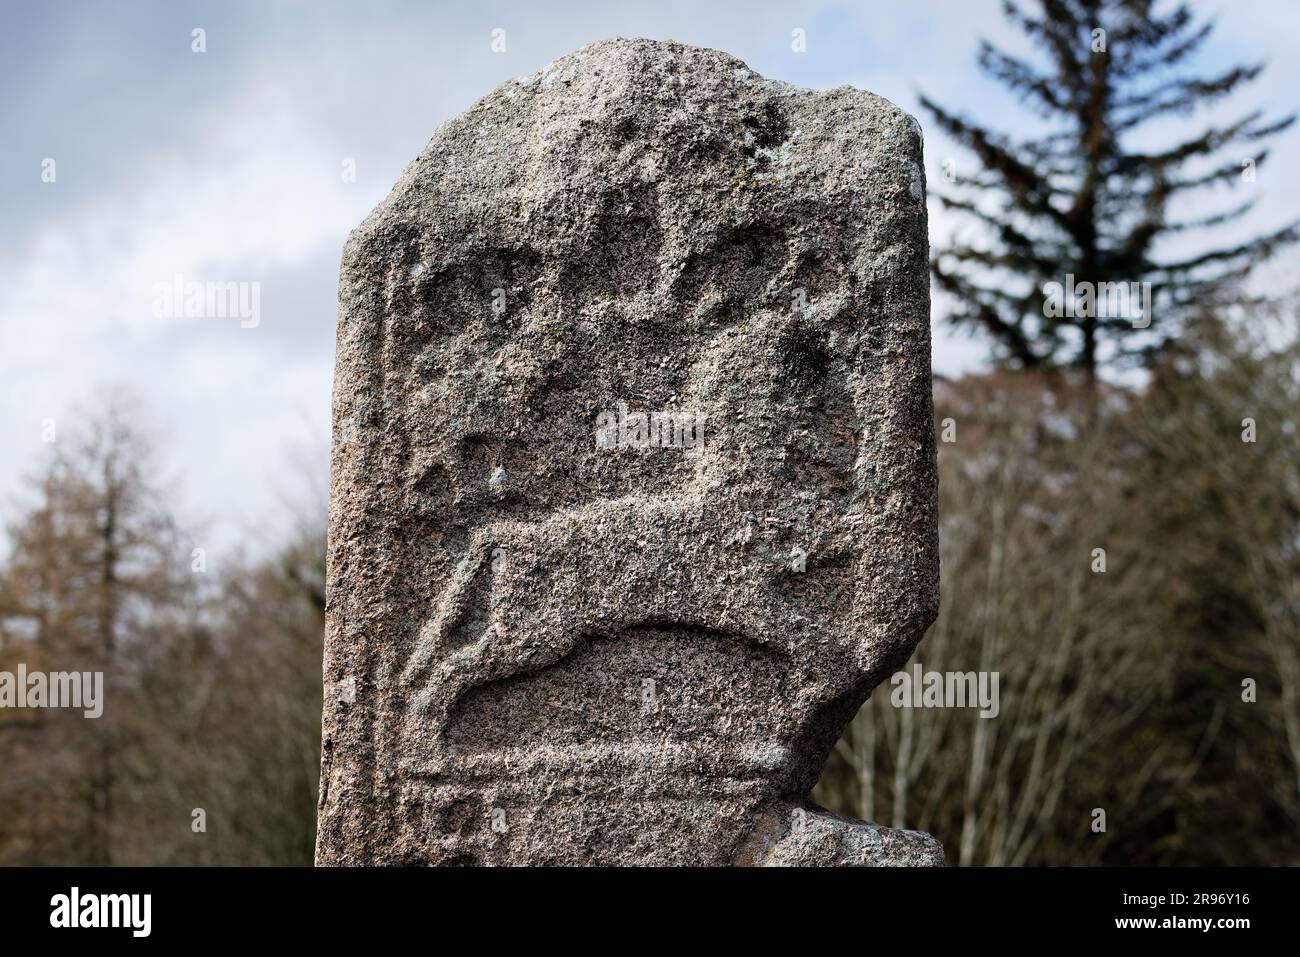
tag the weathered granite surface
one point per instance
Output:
(547, 644)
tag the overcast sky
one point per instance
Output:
(227, 165)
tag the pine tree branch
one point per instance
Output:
(1030, 189)
(1216, 219)
(1260, 248)
(980, 313)
(1020, 76)
(1181, 96)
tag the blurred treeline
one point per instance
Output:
(1124, 690)
(207, 751)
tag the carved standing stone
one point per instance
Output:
(633, 496)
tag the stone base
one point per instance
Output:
(809, 836)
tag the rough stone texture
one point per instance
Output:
(543, 651)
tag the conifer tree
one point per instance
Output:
(1086, 202)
